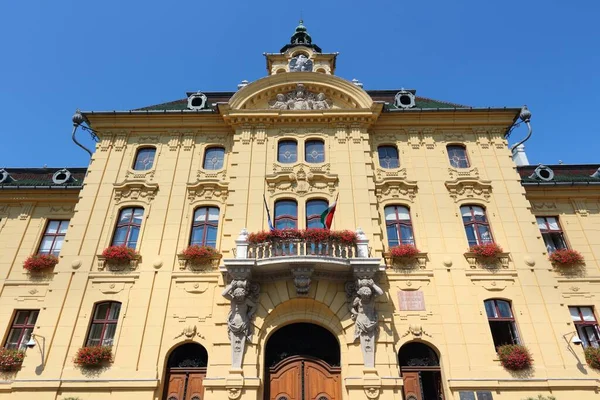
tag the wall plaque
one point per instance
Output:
(411, 300)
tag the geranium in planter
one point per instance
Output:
(119, 254)
(11, 360)
(346, 237)
(514, 357)
(40, 262)
(592, 357)
(93, 356)
(196, 255)
(315, 235)
(565, 257)
(403, 252)
(486, 250)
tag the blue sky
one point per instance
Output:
(106, 55)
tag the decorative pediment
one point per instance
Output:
(392, 184)
(300, 99)
(301, 179)
(469, 189)
(135, 190)
(208, 188)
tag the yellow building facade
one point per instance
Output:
(294, 317)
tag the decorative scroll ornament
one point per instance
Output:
(394, 185)
(135, 190)
(301, 179)
(300, 99)
(244, 297)
(468, 189)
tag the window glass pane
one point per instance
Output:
(588, 313)
(407, 234)
(553, 223)
(197, 235)
(541, 223)
(458, 156)
(287, 151)
(490, 310)
(574, 314)
(392, 233)
(52, 227)
(557, 239)
(315, 151)
(46, 244)
(144, 159)
(21, 317)
(479, 214)
(63, 227)
(33, 316)
(101, 310)
(285, 207)
(388, 157)
(13, 338)
(213, 214)
(58, 245)
(285, 224)
(137, 216)
(403, 214)
(214, 158)
(200, 214)
(390, 213)
(504, 309)
(314, 223)
(109, 334)
(133, 237)
(211, 235)
(484, 234)
(471, 238)
(95, 331)
(25, 338)
(549, 242)
(316, 207)
(120, 235)
(114, 311)
(125, 215)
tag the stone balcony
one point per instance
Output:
(302, 260)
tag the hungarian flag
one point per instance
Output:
(327, 216)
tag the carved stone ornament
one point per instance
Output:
(243, 295)
(469, 189)
(362, 294)
(463, 173)
(208, 189)
(135, 191)
(372, 392)
(300, 99)
(189, 332)
(301, 179)
(302, 279)
(416, 331)
(301, 63)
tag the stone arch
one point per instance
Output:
(184, 371)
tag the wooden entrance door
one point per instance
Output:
(412, 386)
(185, 384)
(303, 378)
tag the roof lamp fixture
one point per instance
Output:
(525, 117)
(542, 172)
(404, 99)
(78, 120)
(61, 176)
(197, 101)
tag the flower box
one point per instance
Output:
(514, 357)
(93, 356)
(592, 357)
(314, 235)
(11, 360)
(199, 258)
(405, 256)
(40, 262)
(118, 258)
(565, 258)
(488, 255)
(486, 250)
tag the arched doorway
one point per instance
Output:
(420, 368)
(302, 362)
(186, 369)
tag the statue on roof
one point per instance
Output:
(300, 99)
(301, 63)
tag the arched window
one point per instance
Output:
(388, 157)
(205, 226)
(398, 225)
(314, 151)
(214, 158)
(144, 159)
(502, 322)
(287, 151)
(314, 209)
(128, 227)
(476, 224)
(286, 214)
(457, 155)
(104, 324)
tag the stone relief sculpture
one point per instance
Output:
(301, 63)
(300, 99)
(243, 296)
(365, 317)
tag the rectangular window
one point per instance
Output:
(128, 227)
(398, 226)
(586, 325)
(552, 234)
(476, 225)
(205, 226)
(54, 237)
(20, 330)
(502, 322)
(104, 324)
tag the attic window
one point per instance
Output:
(542, 172)
(5, 176)
(404, 99)
(197, 101)
(61, 176)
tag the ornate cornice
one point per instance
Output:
(301, 178)
(468, 188)
(392, 184)
(135, 190)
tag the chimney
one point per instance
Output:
(519, 156)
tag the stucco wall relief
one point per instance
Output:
(135, 191)
(301, 179)
(469, 189)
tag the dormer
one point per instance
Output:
(300, 55)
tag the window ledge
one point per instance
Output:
(500, 261)
(418, 261)
(209, 264)
(131, 265)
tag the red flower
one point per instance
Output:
(566, 257)
(346, 237)
(259, 237)
(11, 360)
(592, 357)
(38, 262)
(486, 250)
(199, 253)
(316, 235)
(119, 254)
(404, 251)
(514, 357)
(93, 356)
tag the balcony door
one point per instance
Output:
(420, 368)
(302, 364)
(186, 370)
